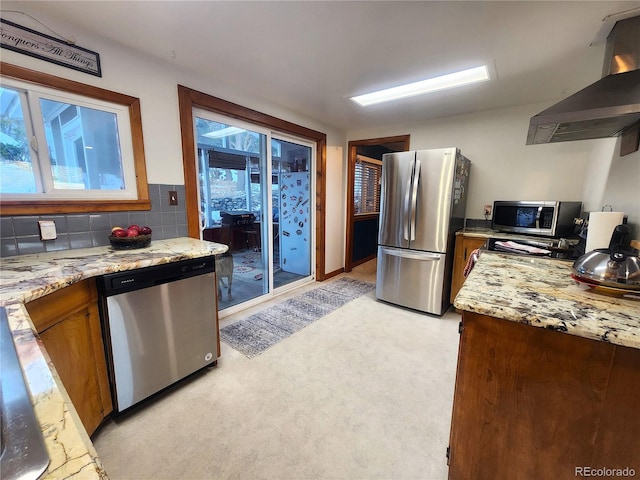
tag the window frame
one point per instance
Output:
(367, 165)
(51, 204)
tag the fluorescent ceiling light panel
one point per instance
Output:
(223, 132)
(451, 80)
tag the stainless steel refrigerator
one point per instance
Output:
(423, 201)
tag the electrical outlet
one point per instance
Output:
(47, 230)
(487, 210)
(173, 197)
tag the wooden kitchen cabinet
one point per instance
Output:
(532, 403)
(68, 323)
(465, 244)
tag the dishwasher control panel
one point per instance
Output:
(120, 282)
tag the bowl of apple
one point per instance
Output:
(131, 237)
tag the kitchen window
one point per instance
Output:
(68, 147)
(368, 174)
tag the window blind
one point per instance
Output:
(368, 173)
(227, 160)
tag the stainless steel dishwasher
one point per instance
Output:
(160, 326)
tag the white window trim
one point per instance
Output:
(41, 161)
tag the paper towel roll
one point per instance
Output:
(601, 227)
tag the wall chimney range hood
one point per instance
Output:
(607, 108)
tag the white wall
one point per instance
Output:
(505, 168)
(336, 209)
(614, 180)
(155, 83)
(597, 172)
(622, 188)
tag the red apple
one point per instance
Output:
(135, 227)
(145, 230)
(119, 233)
(132, 232)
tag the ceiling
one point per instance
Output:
(309, 57)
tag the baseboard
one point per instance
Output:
(363, 260)
(331, 274)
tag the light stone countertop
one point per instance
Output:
(540, 292)
(26, 277)
(480, 232)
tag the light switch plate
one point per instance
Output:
(47, 230)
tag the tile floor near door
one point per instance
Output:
(363, 393)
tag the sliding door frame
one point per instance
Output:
(188, 99)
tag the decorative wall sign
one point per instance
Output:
(35, 44)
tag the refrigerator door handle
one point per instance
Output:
(414, 198)
(403, 253)
(407, 204)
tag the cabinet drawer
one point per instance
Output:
(46, 311)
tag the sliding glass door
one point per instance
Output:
(292, 219)
(255, 195)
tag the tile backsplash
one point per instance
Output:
(477, 223)
(20, 235)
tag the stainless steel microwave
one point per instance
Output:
(547, 218)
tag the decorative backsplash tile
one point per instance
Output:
(20, 235)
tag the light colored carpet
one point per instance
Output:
(363, 393)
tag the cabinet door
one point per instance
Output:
(72, 336)
(532, 403)
(464, 246)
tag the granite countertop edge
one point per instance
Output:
(27, 277)
(541, 293)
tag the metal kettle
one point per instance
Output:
(617, 266)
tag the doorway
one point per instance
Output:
(190, 100)
(363, 214)
(256, 196)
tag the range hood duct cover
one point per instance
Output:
(605, 108)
